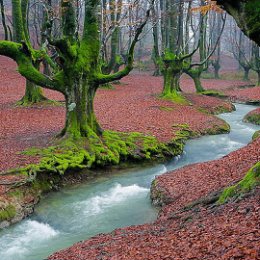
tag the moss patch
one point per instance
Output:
(162, 108)
(252, 118)
(250, 181)
(176, 98)
(213, 93)
(93, 151)
(7, 212)
(256, 135)
(219, 129)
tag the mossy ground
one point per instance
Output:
(213, 93)
(253, 118)
(176, 98)
(164, 108)
(249, 182)
(256, 135)
(7, 213)
(92, 152)
(42, 103)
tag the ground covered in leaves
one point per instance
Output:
(201, 232)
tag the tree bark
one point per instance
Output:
(246, 74)
(258, 78)
(80, 116)
(3, 19)
(195, 74)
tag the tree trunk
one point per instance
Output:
(198, 84)
(80, 116)
(33, 94)
(171, 87)
(258, 80)
(195, 75)
(216, 73)
(3, 19)
(216, 67)
(246, 74)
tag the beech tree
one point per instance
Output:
(209, 39)
(76, 69)
(33, 93)
(5, 26)
(241, 48)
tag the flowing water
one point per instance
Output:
(109, 202)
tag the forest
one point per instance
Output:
(130, 129)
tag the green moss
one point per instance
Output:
(181, 134)
(256, 135)
(7, 213)
(249, 182)
(183, 131)
(219, 129)
(213, 93)
(16, 193)
(175, 97)
(166, 108)
(252, 118)
(107, 86)
(93, 151)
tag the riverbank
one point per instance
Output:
(191, 224)
(139, 111)
(162, 118)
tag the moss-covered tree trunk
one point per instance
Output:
(172, 71)
(197, 82)
(80, 116)
(195, 74)
(33, 94)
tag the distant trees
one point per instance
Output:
(246, 52)
(184, 41)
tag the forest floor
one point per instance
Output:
(133, 105)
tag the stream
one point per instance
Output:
(108, 202)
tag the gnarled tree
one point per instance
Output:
(77, 65)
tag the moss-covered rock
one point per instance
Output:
(253, 118)
(256, 135)
(219, 129)
(249, 182)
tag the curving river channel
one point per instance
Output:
(118, 200)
